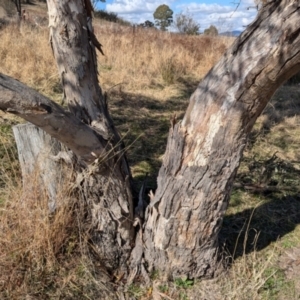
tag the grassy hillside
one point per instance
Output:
(149, 76)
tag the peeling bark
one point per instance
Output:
(17, 98)
(70, 37)
(179, 236)
(105, 185)
(103, 178)
(205, 149)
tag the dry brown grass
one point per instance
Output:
(26, 56)
(44, 255)
(30, 242)
(149, 75)
(137, 59)
(140, 58)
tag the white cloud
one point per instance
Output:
(204, 8)
(136, 11)
(134, 6)
(225, 17)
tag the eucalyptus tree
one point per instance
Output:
(163, 16)
(185, 23)
(177, 233)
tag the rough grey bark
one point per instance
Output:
(205, 149)
(103, 178)
(105, 184)
(33, 107)
(73, 44)
(179, 236)
(101, 181)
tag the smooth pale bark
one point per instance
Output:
(40, 161)
(205, 149)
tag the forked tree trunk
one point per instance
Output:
(180, 233)
(205, 149)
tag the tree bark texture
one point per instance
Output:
(103, 176)
(106, 183)
(33, 107)
(100, 182)
(39, 161)
(182, 222)
(205, 149)
(73, 43)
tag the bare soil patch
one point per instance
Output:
(289, 262)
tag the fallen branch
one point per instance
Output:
(27, 103)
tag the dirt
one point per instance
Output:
(289, 262)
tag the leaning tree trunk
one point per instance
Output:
(205, 149)
(179, 236)
(100, 182)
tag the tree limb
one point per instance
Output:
(19, 99)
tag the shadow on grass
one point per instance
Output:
(144, 124)
(272, 183)
(284, 104)
(256, 228)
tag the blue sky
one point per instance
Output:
(220, 13)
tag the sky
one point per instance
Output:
(226, 15)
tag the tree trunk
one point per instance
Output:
(105, 185)
(100, 179)
(205, 149)
(19, 9)
(182, 222)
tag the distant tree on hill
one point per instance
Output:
(185, 23)
(163, 16)
(211, 30)
(147, 24)
(108, 16)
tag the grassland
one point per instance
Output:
(149, 76)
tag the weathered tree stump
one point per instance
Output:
(39, 161)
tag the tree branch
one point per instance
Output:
(19, 99)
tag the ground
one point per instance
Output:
(149, 76)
